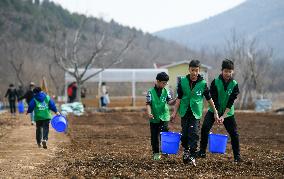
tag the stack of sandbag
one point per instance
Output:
(75, 108)
(263, 105)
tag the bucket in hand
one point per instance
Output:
(217, 143)
(59, 123)
(21, 107)
(170, 142)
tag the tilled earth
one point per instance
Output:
(117, 145)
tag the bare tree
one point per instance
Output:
(71, 57)
(259, 61)
(15, 62)
(53, 79)
(24, 59)
(253, 62)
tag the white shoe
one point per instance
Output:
(192, 161)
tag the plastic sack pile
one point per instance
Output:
(75, 108)
(262, 105)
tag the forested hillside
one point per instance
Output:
(27, 29)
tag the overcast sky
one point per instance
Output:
(150, 15)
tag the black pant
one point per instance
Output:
(71, 99)
(190, 128)
(155, 129)
(231, 127)
(12, 105)
(42, 129)
(103, 104)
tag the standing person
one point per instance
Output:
(41, 104)
(104, 99)
(28, 96)
(12, 96)
(157, 100)
(191, 89)
(1, 104)
(20, 91)
(72, 92)
(224, 90)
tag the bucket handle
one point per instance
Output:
(217, 127)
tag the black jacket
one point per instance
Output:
(159, 93)
(28, 96)
(11, 94)
(214, 92)
(192, 84)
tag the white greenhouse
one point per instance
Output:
(118, 75)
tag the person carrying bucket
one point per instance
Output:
(157, 100)
(41, 104)
(189, 104)
(224, 90)
(28, 96)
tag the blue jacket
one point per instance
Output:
(40, 97)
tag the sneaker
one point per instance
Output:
(165, 155)
(157, 156)
(237, 159)
(185, 157)
(201, 154)
(38, 144)
(44, 144)
(192, 161)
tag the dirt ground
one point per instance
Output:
(117, 145)
(20, 156)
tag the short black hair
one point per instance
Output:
(227, 64)
(194, 63)
(11, 85)
(162, 76)
(37, 90)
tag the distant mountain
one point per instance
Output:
(262, 19)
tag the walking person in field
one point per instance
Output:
(12, 97)
(28, 96)
(224, 90)
(189, 104)
(20, 91)
(41, 104)
(157, 100)
(104, 99)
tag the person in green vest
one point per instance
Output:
(157, 100)
(224, 90)
(189, 104)
(41, 104)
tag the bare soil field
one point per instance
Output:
(117, 145)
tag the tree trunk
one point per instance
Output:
(78, 95)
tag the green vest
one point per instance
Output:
(159, 106)
(192, 98)
(223, 96)
(42, 111)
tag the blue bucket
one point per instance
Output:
(21, 107)
(170, 142)
(217, 143)
(59, 123)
